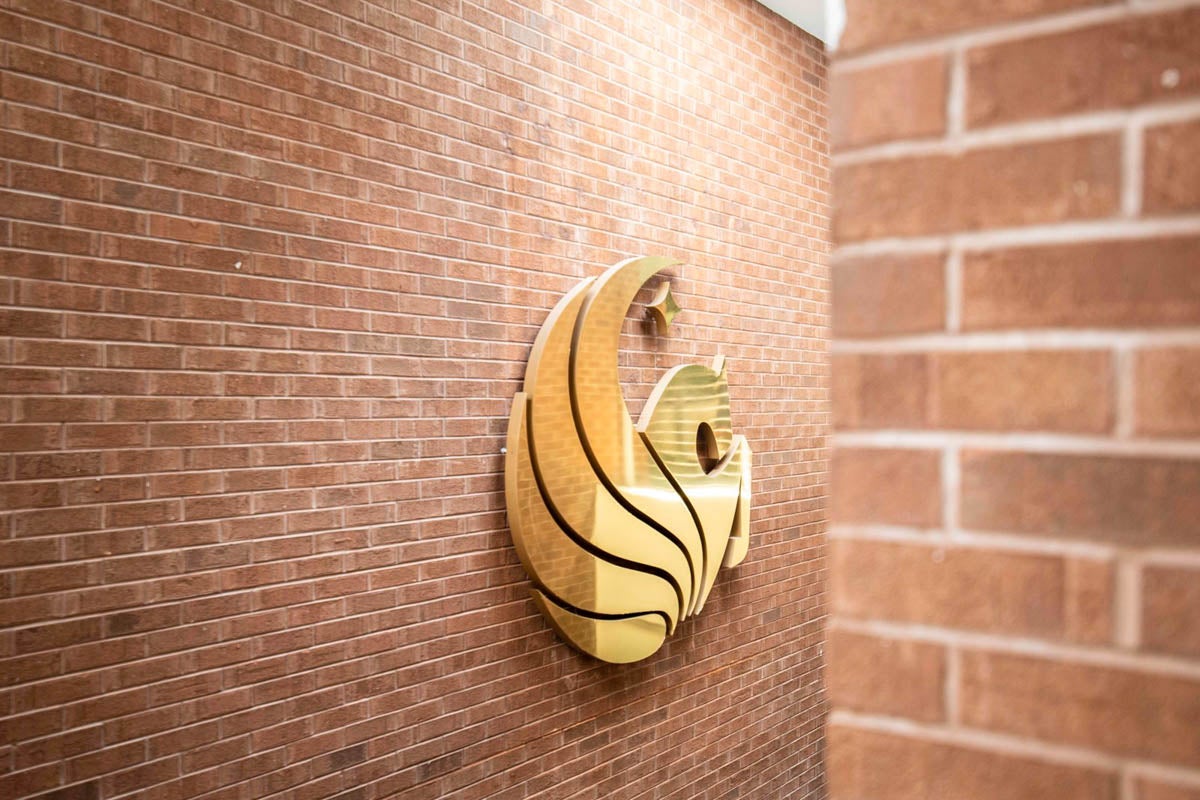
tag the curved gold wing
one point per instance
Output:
(621, 529)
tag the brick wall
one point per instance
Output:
(271, 272)
(1015, 564)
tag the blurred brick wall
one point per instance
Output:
(271, 273)
(1015, 564)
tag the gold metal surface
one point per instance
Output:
(621, 527)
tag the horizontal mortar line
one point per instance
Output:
(1039, 443)
(1004, 31)
(255, 516)
(1097, 656)
(1024, 340)
(1093, 231)
(997, 743)
(1035, 131)
(1182, 776)
(984, 540)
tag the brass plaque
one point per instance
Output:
(621, 526)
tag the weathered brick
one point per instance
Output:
(903, 100)
(890, 766)
(886, 676)
(1118, 711)
(997, 187)
(1133, 500)
(1132, 61)
(899, 487)
(1020, 594)
(1145, 282)
(886, 295)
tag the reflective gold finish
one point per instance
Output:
(621, 527)
(663, 308)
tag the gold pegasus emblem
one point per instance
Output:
(621, 527)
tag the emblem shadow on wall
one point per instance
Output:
(621, 527)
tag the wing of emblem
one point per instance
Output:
(622, 529)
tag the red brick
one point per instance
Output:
(19, 322)
(343, 213)
(30, 437)
(899, 487)
(881, 391)
(1059, 390)
(1144, 282)
(1167, 392)
(1172, 168)
(1171, 610)
(1143, 501)
(1038, 390)
(1034, 183)
(1019, 594)
(57, 409)
(890, 766)
(886, 676)
(871, 25)
(47, 353)
(882, 296)
(1118, 711)
(1154, 790)
(1125, 63)
(56, 635)
(899, 100)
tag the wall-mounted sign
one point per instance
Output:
(621, 526)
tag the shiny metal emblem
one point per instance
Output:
(621, 526)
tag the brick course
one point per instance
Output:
(1016, 464)
(270, 277)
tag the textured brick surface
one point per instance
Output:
(1017, 323)
(1156, 790)
(894, 101)
(1172, 180)
(1140, 501)
(1168, 392)
(1126, 63)
(1004, 390)
(884, 296)
(1170, 610)
(995, 187)
(870, 24)
(271, 274)
(887, 486)
(1027, 595)
(1118, 711)
(1133, 282)
(886, 676)
(891, 767)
